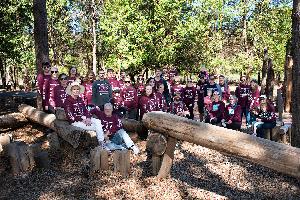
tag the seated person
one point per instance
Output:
(232, 114)
(177, 107)
(265, 120)
(215, 110)
(77, 113)
(113, 129)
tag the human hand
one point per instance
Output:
(229, 122)
(87, 122)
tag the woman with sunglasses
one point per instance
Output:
(59, 91)
(232, 115)
(139, 86)
(189, 95)
(242, 92)
(215, 110)
(177, 87)
(42, 78)
(72, 74)
(130, 99)
(49, 86)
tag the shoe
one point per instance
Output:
(135, 150)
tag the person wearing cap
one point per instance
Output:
(189, 95)
(41, 79)
(130, 99)
(224, 88)
(242, 92)
(72, 74)
(215, 110)
(50, 84)
(114, 132)
(88, 89)
(211, 87)
(178, 107)
(101, 91)
(77, 113)
(232, 114)
(59, 91)
(200, 94)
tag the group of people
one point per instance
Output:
(110, 99)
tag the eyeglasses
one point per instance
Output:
(52, 72)
(46, 66)
(127, 81)
(64, 78)
(243, 80)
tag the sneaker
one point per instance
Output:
(135, 149)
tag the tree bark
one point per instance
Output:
(2, 72)
(167, 159)
(296, 74)
(99, 159)
(270, 82)
(94, 24)
(13, 120)
(122, 162)
(279, 157)
(264, 72)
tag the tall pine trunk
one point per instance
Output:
(288, 66)
(40, 38)
(264, 72)
(94, 23)
(296, 74)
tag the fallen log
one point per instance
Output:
(276, 156)
(73, 135)
(13, 120)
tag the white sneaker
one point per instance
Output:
(135, 149)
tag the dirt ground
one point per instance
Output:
(197, 173)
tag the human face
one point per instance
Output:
(91, 76)
(73, 71)
(123, 75)
(127, 83)
(189, 83)
(232, 100)
(101, 75)
(216, 96)
(148, 90)
(221, 80)
(64, 81)
(152, 82)
(161, 88)
(243, 80)
(54, 72)
(252, 84)
(46, 68)
(109, 74)
(211, 80)
(157, 73)
(108, 111)
(75, 91)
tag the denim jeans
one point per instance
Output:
(246, 112)
(262, 127)
(121, 137)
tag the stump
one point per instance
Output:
(122, 162)
(156, 164)
(60, 114)
(21, 157)
(53, 140)
(4, 142)
(168, 158)
(13, 120)
(99, 159)
(42, 160)
(157, 143)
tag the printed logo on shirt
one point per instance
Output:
(215, 107)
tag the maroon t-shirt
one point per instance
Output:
(233, 113)
(216, 109)
(111, 124)
(122, 84)
(225, 91)
(147, 104)
(50, 84)
(75, 109)
(157, 84)
(41, 79)
(115, 85)
(130, 97)
(253, 99)
(189, 95)
(117, 100)
(177, 107)
(140, 88)
(59, 96)
(71, 79)
(161, 102)
(200, 91)
(242, 92)
(176, 89)
(88, 93)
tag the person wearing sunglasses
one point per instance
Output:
(189, 95)
(242, 92)
(211, 87)
(59, 91)
(215, 110)
(130, 98)
(232, 114)
(72, 74)
(50, 84)
(88, 85)
(42, 78)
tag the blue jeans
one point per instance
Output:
(246, 112)
(262, 127)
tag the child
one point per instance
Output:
(177, 107)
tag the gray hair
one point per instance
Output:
(108, 105)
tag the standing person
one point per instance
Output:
(88, 89)
(177, 87)
(130, 99)
(177, 107)
(200, 93)
(242, 92)
(72, 74)
(42, 79)
(211, 87)
(114, 133)
(115, 85)
(77, 113)
(253, 100)
(139, 86)
(189, 95)
(172, 74)
(122, 79)
(59, 91)
(101, 91)
(160, 99)
(50, 84)
(215, 110)
(224, 88)
(151, 81)
(232, 114)
(158, 81)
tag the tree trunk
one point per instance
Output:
(288, 69)
(167, 159)
(13, 120)
(264, 72)
(270, 80)
(99, 159)
(296, 74)
(122, 162)
(2, 73)
(94, 24)
(270, 154)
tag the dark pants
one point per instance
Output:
(131, 113)
(245, 111)
(234, 125)
(191, 110)
(262, 127)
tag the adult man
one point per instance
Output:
(211, 87)
(41, 79)
(102, 91)
(158, 81)
(242, 92)
(114, 133)
(224, 88)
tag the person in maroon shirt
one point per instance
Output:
(88, 89)
(253, 100)
(151, 82)
(139, 86)
(160, 99)
(189, 95)
(130, 99)
(115, 85)
(215, 110)
(59, 91)
(266, 119)
(242, 93)
(224, 88)
(122, 79)
(114, 133)
(50, 84)
(72, 74)
(177, 107)
(200, 93)
(177, 87)
(232, 114)
(77, 113)
(41, 79)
